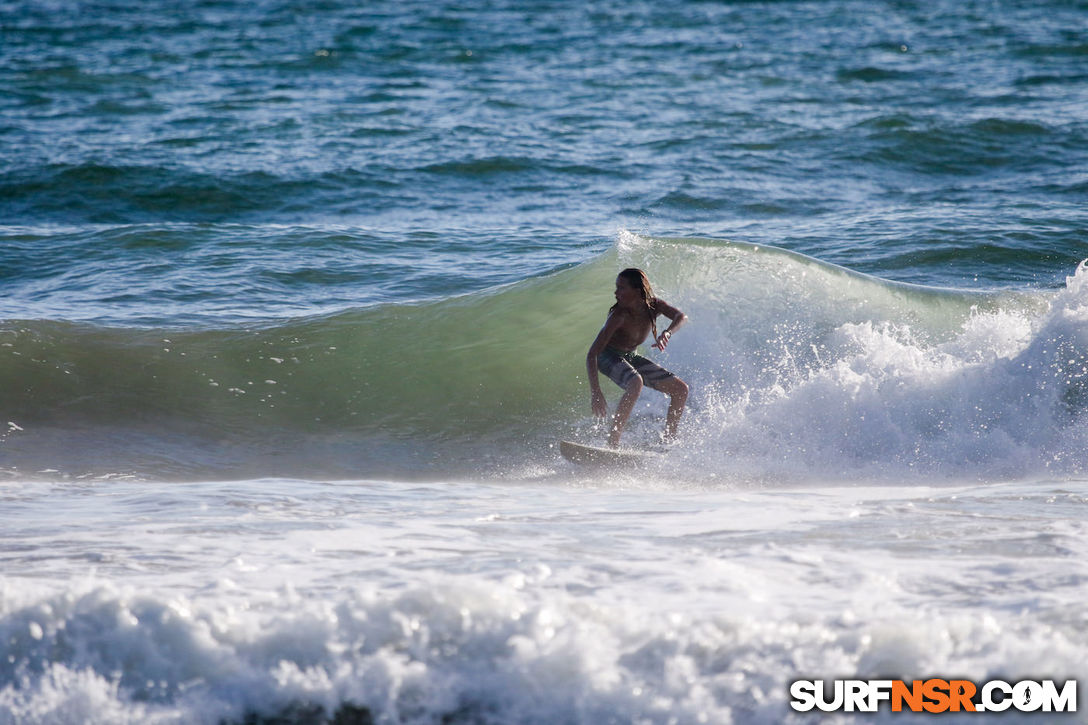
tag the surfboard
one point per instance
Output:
(593, 456)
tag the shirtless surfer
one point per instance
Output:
(630, 320)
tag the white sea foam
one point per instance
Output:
(475, 654)
(533, 604)
(800, 369)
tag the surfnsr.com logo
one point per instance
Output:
(933, 695)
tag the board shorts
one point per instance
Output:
(621, 367)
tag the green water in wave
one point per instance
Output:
(503, 367)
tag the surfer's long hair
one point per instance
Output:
(638, 279)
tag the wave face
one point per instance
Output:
(798, 367)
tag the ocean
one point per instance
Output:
(295, 297)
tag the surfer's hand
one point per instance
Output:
(662, 340)
(597, 402)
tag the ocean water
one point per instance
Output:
(294, 303)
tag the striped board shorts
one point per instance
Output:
(621, 367)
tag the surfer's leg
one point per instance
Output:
(677, 390)
(624, 408)
(661, 379)
(619, 369)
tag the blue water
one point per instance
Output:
(297, 295)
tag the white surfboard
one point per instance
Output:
(593, 456)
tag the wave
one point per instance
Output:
(959, 148)
(796, 365)
(97, 193)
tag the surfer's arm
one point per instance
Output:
(597, 401)
(678, 318)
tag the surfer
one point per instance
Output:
(630, 320)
